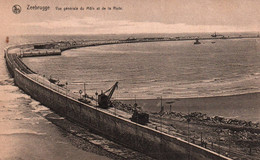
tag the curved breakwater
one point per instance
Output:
(155, 69)
(121, 130)
(220, 78)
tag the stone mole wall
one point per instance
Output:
(138, 137)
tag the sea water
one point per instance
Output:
(172, 69)
(155, 69)
(24, 131)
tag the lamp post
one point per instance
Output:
(66, 97)
(115, 107)
(161, 113)
(58, 84)
(219, 130)
(229, 142)
(36, 75)
(50, 81)
(96, 99)
(80, 92)
(188, 120)
(85, 96)
(43, 78)
(66, 85)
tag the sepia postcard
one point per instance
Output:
(130, 79)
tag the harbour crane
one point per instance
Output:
(104, 100)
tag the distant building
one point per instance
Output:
(44, 46)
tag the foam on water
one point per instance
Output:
(20, 131)
(24, 131)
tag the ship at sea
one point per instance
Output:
(197, 41)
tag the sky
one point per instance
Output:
(130, 16)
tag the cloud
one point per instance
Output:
(90, 25)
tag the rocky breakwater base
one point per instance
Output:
(237, 139)
(146, 139)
